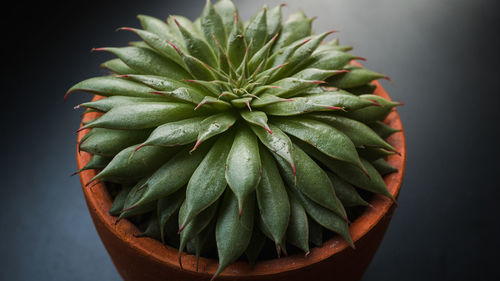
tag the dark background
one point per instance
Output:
(442, 56)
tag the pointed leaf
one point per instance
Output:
(256, 31)
(360, 134)
(226, 9)
(212, 25)
(383, 167)
(272, 199)
(243, 167)
(208, 181)
(298, 228)
(232, 232)
(118, 67)
(346, 192)
(108, 142)
(296, 27)
(147, 61)
(278, 142)
(214, 125)
(105, 105)
(382, 129)
(273, 21)
(356, 77)
(257, 118)
(197, 47)
(167, 208)
(111, 86)
(325, 138)
(311, 180)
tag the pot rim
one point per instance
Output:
(99, 199)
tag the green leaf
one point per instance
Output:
(272, 199)
(297, 233)
(134, 194)
(290, 87)
(382, 129)
(311, 180)
(208, 181)
(196, 225)
(214, 125)
(255, 246)
(256, 31)
(111, 86)
(360, 134)
(383, 167)
(328, 60)
(105, 105)
(212, 25)
(108, 142)
(274, 20)
(354, 78)
(372, 181)
(323, 216)
(172, 175)
(316, 74)
(236, 45)
(118, 67)
(317, 102)
(142, 115)
(197, 47)
(226, 9)
(123, 167)
(372, 113)
(243, 166)
(233, 232)
(278, 142)
(155, 26)
(152, 228)
(257, 118)
(159, 44)
(96, 162)
(346, 192)
(167, 208)
(296, 27)
(119, 200)
(325, 138)
(149, 62)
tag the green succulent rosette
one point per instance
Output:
(231, 134)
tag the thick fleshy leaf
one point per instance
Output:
(111, 86)
(105, 105)
(364, 90)
(323, 216)
(278, 142)
(272, 199)
(257, 118)
(196, 225)
(214, 103)
(383, 167)
(382, 129)
(119, 200)
(372, 113)
(212, 25)
(302, 53)
(214, 125)
(167, 207)
(360, 134)
(226, 9)
(142, 115)
(161, 83)
(123, 167)
(96, 162)
(296, 27)
(118, 67)
(298, 228)
(266, 99)
(147, 61)
(198, 47)
(346, 192)
(290, 87)
(374, 153)
(257, 243)
(327, 101)
(372, 181)
(274, 20)
(325, 138)
(311, 180)
(243, 166)
(159, 44)
(208, 181)
(107, 142)
(172, 175)
(152, 228)
(155, 26)
(256, 31)
(329, 60)
(175, 133)
(236, 45)
(316, 74)
(232, 231)
(134, 194)
(260, 57)
(356, 77)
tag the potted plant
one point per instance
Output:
(215, 140)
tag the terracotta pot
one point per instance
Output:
(147, 259)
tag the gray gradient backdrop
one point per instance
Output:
(441, 55)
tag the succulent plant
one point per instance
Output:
(216, 132)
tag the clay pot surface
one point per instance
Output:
(146, 259)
